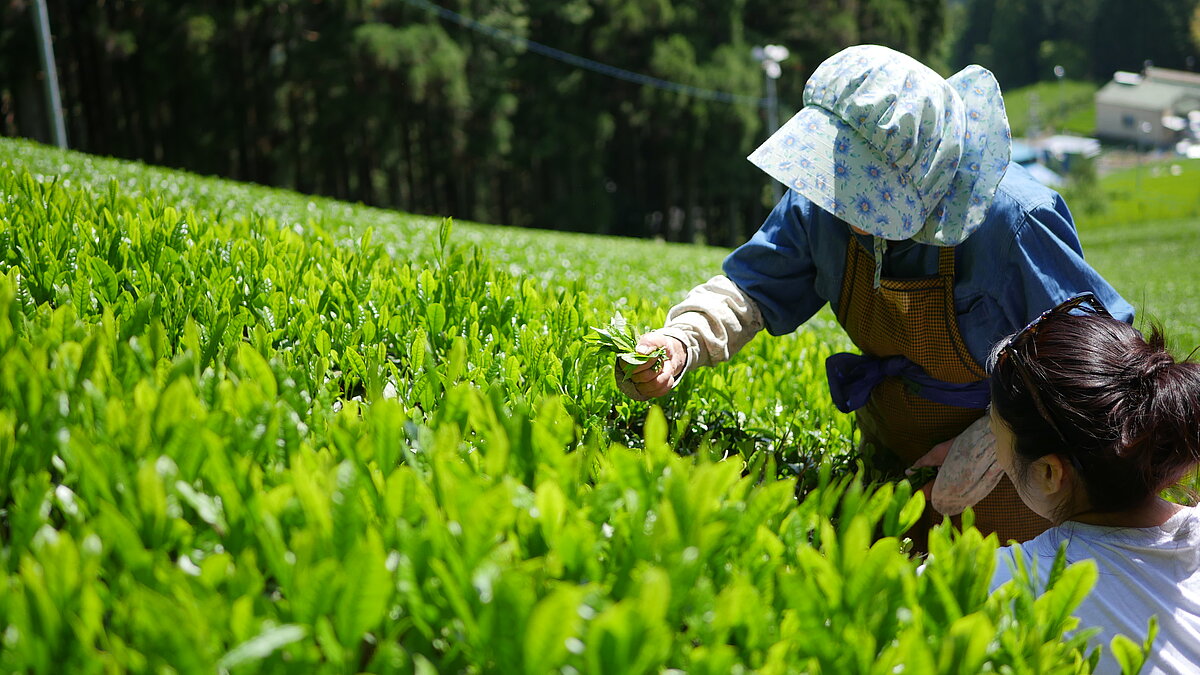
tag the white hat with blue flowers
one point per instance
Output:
(889, 146)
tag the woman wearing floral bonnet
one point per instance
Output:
(905, 215)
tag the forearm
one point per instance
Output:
(713, 322)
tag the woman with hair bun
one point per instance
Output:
(1092, 422)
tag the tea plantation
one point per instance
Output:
(244, 430)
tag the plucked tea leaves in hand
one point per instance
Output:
(618, 338)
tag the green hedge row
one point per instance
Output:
(247, 442)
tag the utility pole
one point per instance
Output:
(58, 127)
(770, 57)
(1059, 73)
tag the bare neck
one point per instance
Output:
(1151, 513)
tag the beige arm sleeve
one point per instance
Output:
(714, 322)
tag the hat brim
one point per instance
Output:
(823, 159)
(987, 147)
(969, 473)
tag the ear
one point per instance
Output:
(1052, 475)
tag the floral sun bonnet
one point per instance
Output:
(889, 146)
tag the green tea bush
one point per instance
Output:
(243, 440)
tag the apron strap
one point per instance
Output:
(946, 261)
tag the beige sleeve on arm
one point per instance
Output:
(714, 321)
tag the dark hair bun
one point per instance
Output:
(1160, 432)
(1156, 364)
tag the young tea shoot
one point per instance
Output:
(620, 339)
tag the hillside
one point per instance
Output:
(1141, 242)
(246, 431)
(1066, 107)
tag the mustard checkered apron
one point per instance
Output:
(916, 318)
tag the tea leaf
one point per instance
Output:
(263, 645)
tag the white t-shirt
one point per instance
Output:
(1142, 571)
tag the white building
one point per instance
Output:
(1147, 109)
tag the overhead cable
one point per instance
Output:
(585, 63)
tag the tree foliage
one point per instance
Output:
(1022, 41)
(386, 103)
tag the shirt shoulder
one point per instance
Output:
(1017, 197)
(1020, 192)
(1024, 214)
(1037, 556)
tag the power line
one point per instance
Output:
(585, 63)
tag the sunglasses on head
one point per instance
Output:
(1020, 345)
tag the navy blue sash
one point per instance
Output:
(852, 377)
